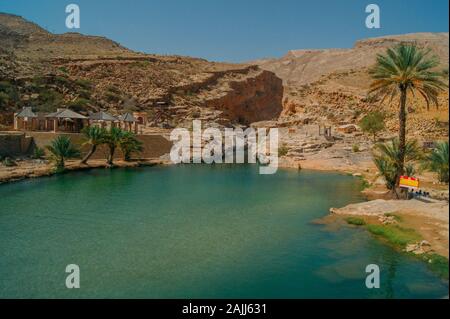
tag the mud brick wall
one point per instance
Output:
(154, 145)
(15, 144)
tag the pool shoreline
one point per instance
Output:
(75, 166)
(31, 169)
(272, 250)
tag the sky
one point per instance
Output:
(234, 30)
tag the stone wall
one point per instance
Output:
(154, 145)
(15, 144)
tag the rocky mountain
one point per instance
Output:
(331, 85)
(88, 73)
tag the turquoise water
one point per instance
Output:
(194, 231)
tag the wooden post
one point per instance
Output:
(16, 122)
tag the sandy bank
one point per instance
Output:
(38, 168)
(430, 220)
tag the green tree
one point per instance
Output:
(406, 69)
(61, 148)
(112, 140)
(4, 100)
(94, 136)
(79, 105)
(38, 153)
(386, 158)
(372, 124)
(129, 144)
(437, 161)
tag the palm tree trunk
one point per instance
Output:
(126, 156)
(89, 154)
(61, 164)
(111, 155)
(402, 135)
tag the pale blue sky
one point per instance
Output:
(235, 30)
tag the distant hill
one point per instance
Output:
(300, 67)
(89, 73)
(331, 85)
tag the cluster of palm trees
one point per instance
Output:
(407, 69)
(61, 148)
(386, 159)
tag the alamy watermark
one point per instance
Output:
(73, 279)
(73, 17)
(373, 277)
(373, 20)
(212, 146)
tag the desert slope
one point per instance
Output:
(330, 85)
(300, 67)
(89, 73)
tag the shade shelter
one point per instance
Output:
(103, 119)
(65, 120)
(25, 120)
(128, 122)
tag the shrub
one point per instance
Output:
(61, 148)
(364, 184)
(283, 150)
(355, 148)
(8, 162)
(85, 94)
(8, 93)
(112, 97)
(386, 160)
(78, 105)
(39, 80)
(129, 144)
(395, 234)
(355, 221)
(85, 84)
(438, 264)
(38, 153)
(63, 69)
(48, 100)
(61, 80)
(4, 99)
(438, 161)
(113, 89)
(139, 64)
(372, 124)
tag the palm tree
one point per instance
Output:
(386, 158)
(438, 160)
(129, 144)
(61, 149)
(406, 69)
(95, 136)
(387, 170)
(112, 140)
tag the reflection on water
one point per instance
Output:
(194, 231)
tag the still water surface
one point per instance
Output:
(194, 231)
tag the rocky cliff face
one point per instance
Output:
(87, 73)
(330, 86)
(245, 93)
